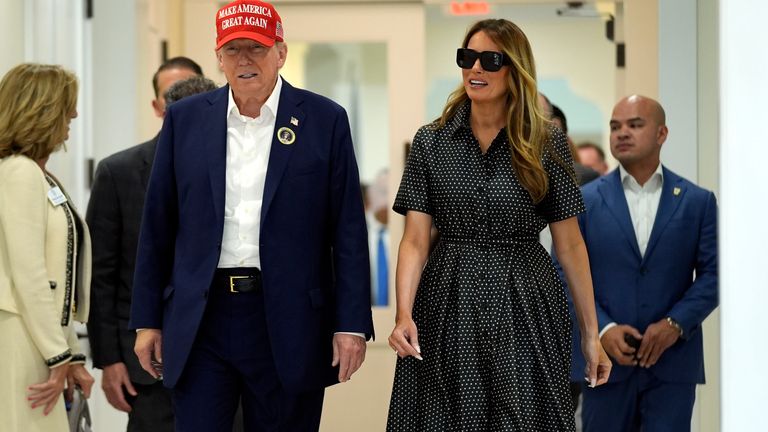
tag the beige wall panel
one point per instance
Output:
(641, 35)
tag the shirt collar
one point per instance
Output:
(460, 119)
(627, 179)
(270, 106)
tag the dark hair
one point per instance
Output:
(591, 145)
(557, 113)
(176, 63)
(188, 87)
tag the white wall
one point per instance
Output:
(743, 152)
(678, 89)
(708, 396)
(52, 32)
(115, 80)
(575, 62)
(11, 34)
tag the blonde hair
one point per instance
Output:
(36, 104)
(527, 125)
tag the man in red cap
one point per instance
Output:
(252, 279)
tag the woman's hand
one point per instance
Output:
(47, 393)
(405, 339)
(78, 376)
(598, 367)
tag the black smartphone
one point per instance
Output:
(631, 341)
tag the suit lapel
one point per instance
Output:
(147, 157)
(291, 117)
(616, 202)
(672, 193)
(214, 134)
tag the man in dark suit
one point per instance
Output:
(592, 156)
(651, 236)
(114, 215)
(252, 277)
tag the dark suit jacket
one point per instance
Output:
(313, 239)
(114, 215)
(676, 277)
(584, 174)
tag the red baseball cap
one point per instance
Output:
(249, 19)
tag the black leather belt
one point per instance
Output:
(239, 280)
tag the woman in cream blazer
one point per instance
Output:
(44, 254)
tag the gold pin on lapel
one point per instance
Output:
(286, 136)
(676, 191)
(294, 121)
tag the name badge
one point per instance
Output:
(56, 196)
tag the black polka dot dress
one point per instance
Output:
(491, 311)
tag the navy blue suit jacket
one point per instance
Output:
(313, 238)
(677, 276)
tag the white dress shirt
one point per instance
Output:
(248, 146)
(643, 203)
(249, 141)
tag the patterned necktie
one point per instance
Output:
(382, 271)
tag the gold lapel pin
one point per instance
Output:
(286, 136)
(294, 121)
(676, 191)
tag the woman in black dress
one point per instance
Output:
(482, 331)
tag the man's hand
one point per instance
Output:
(348, 354)
(658, 337)
(113, 378)
(148, 347)
(614, 344)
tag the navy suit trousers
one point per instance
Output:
(231, 359)
(640, 403)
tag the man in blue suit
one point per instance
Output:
(652, 242)
(252, 278)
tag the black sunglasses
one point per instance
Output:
(491, 61)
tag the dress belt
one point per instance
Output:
(491, 242)
(238, 280)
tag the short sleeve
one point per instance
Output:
(563, 199)
(413, 193)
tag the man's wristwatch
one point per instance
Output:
(673, 323)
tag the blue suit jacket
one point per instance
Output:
(677, 277)
(313, 244)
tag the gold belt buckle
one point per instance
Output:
(232, 283)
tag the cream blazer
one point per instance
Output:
(34, 264)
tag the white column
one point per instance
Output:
(677, 84)
(743, 206)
